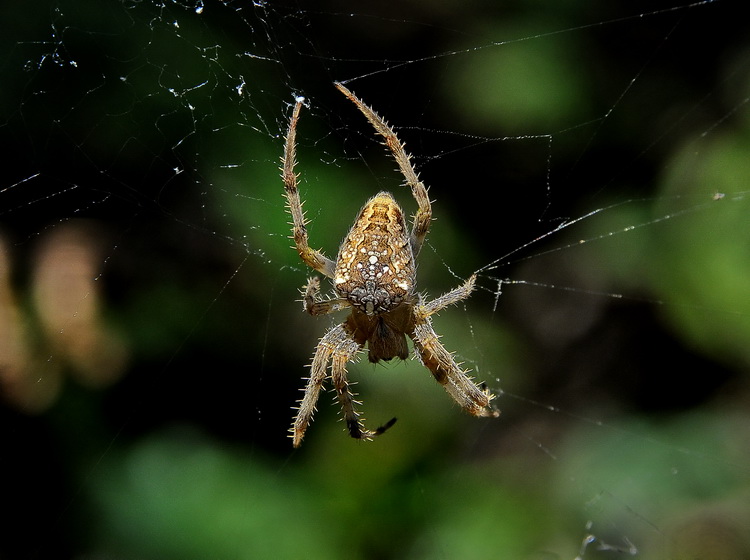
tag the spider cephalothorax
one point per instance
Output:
(374, 276)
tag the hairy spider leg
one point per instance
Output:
(338, 347)
(423, 216)
(313, 258)
(315, 305)
(334, 341)
(440, 362)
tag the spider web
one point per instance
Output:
(588, 163)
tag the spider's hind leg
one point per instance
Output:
(311, 257)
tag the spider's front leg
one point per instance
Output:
(440, 362)
(333, 342)
(346, 398)
(338, 347)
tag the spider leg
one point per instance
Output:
(338, 347)
(312, 258)
(472, 398)
(354, 425)
(448, 373)
(328, 345)
(315, 305)
(422, 218)
(449, 298)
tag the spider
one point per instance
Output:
(374, 277)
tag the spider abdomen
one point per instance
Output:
(375, 266)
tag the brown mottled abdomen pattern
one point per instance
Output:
(375, 266)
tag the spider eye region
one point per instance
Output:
(375, 266)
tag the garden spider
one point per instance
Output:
(374, 276)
